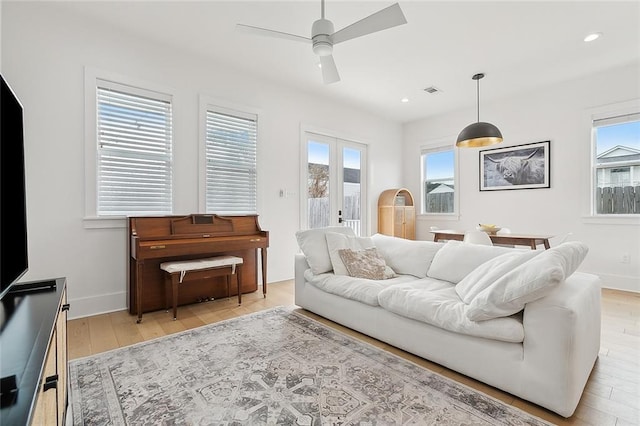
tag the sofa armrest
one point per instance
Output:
(562, 339)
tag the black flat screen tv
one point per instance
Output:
(14, 260)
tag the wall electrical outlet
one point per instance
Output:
(624, 258)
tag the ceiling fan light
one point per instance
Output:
(322, 48)
(479, 134)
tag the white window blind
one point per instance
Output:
(134, 151)
(231, 139)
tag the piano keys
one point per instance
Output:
(157, 239)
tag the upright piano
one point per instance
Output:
(157, 239)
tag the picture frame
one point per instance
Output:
(524, 166)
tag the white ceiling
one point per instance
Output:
(520, 46)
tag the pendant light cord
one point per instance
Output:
(478, 97)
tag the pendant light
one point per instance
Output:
(479, 133)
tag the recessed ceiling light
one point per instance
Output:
(404, 100)
(319, 65)
(592, 37)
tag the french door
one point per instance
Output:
(334, 183)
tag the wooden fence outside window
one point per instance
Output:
(618, 200)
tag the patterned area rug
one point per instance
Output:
(275, 367)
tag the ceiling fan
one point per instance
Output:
(323, 36)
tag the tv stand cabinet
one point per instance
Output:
(33, 345)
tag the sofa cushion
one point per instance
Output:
(406, 256)
(313, 244)
(457, 259)
(358, 289)
(487, 273)
(528, 282)
(436, 302)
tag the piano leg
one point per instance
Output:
(263, 252)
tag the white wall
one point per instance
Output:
(44, 52)
(560, 114)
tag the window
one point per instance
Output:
(134, 143)
(230, 155)
(438, 181)
(333, 176)
(616, 164)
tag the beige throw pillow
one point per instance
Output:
(337, 242)
(365, 263)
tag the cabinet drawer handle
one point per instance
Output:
(50, 382)
(65, 307)
(254, 240)
(156, 247)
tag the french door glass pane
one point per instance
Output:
(318, 184)
(352, 188)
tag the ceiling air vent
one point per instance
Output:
(432, 90)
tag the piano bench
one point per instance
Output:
(181, 271)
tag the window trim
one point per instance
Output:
(207, 102)
(606, 113)
(440, 145)
(92, 76)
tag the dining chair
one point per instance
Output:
(477, 237)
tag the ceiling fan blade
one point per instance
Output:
(271, 33)
(329, 70)
(386, 18)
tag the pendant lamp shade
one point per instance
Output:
(479, 133)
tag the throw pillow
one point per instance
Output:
(365, 263)
(456, 260)
(528, 282)
(406, 256)
(336, 242)
(488, 272)
(313, 244)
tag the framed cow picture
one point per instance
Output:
(516, 167)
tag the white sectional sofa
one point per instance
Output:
(520, 320)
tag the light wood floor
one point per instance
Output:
(611, 398)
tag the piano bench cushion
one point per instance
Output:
(200, 264)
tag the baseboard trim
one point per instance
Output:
(95, 305)
(619, 282)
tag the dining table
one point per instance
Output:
(528, 240)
